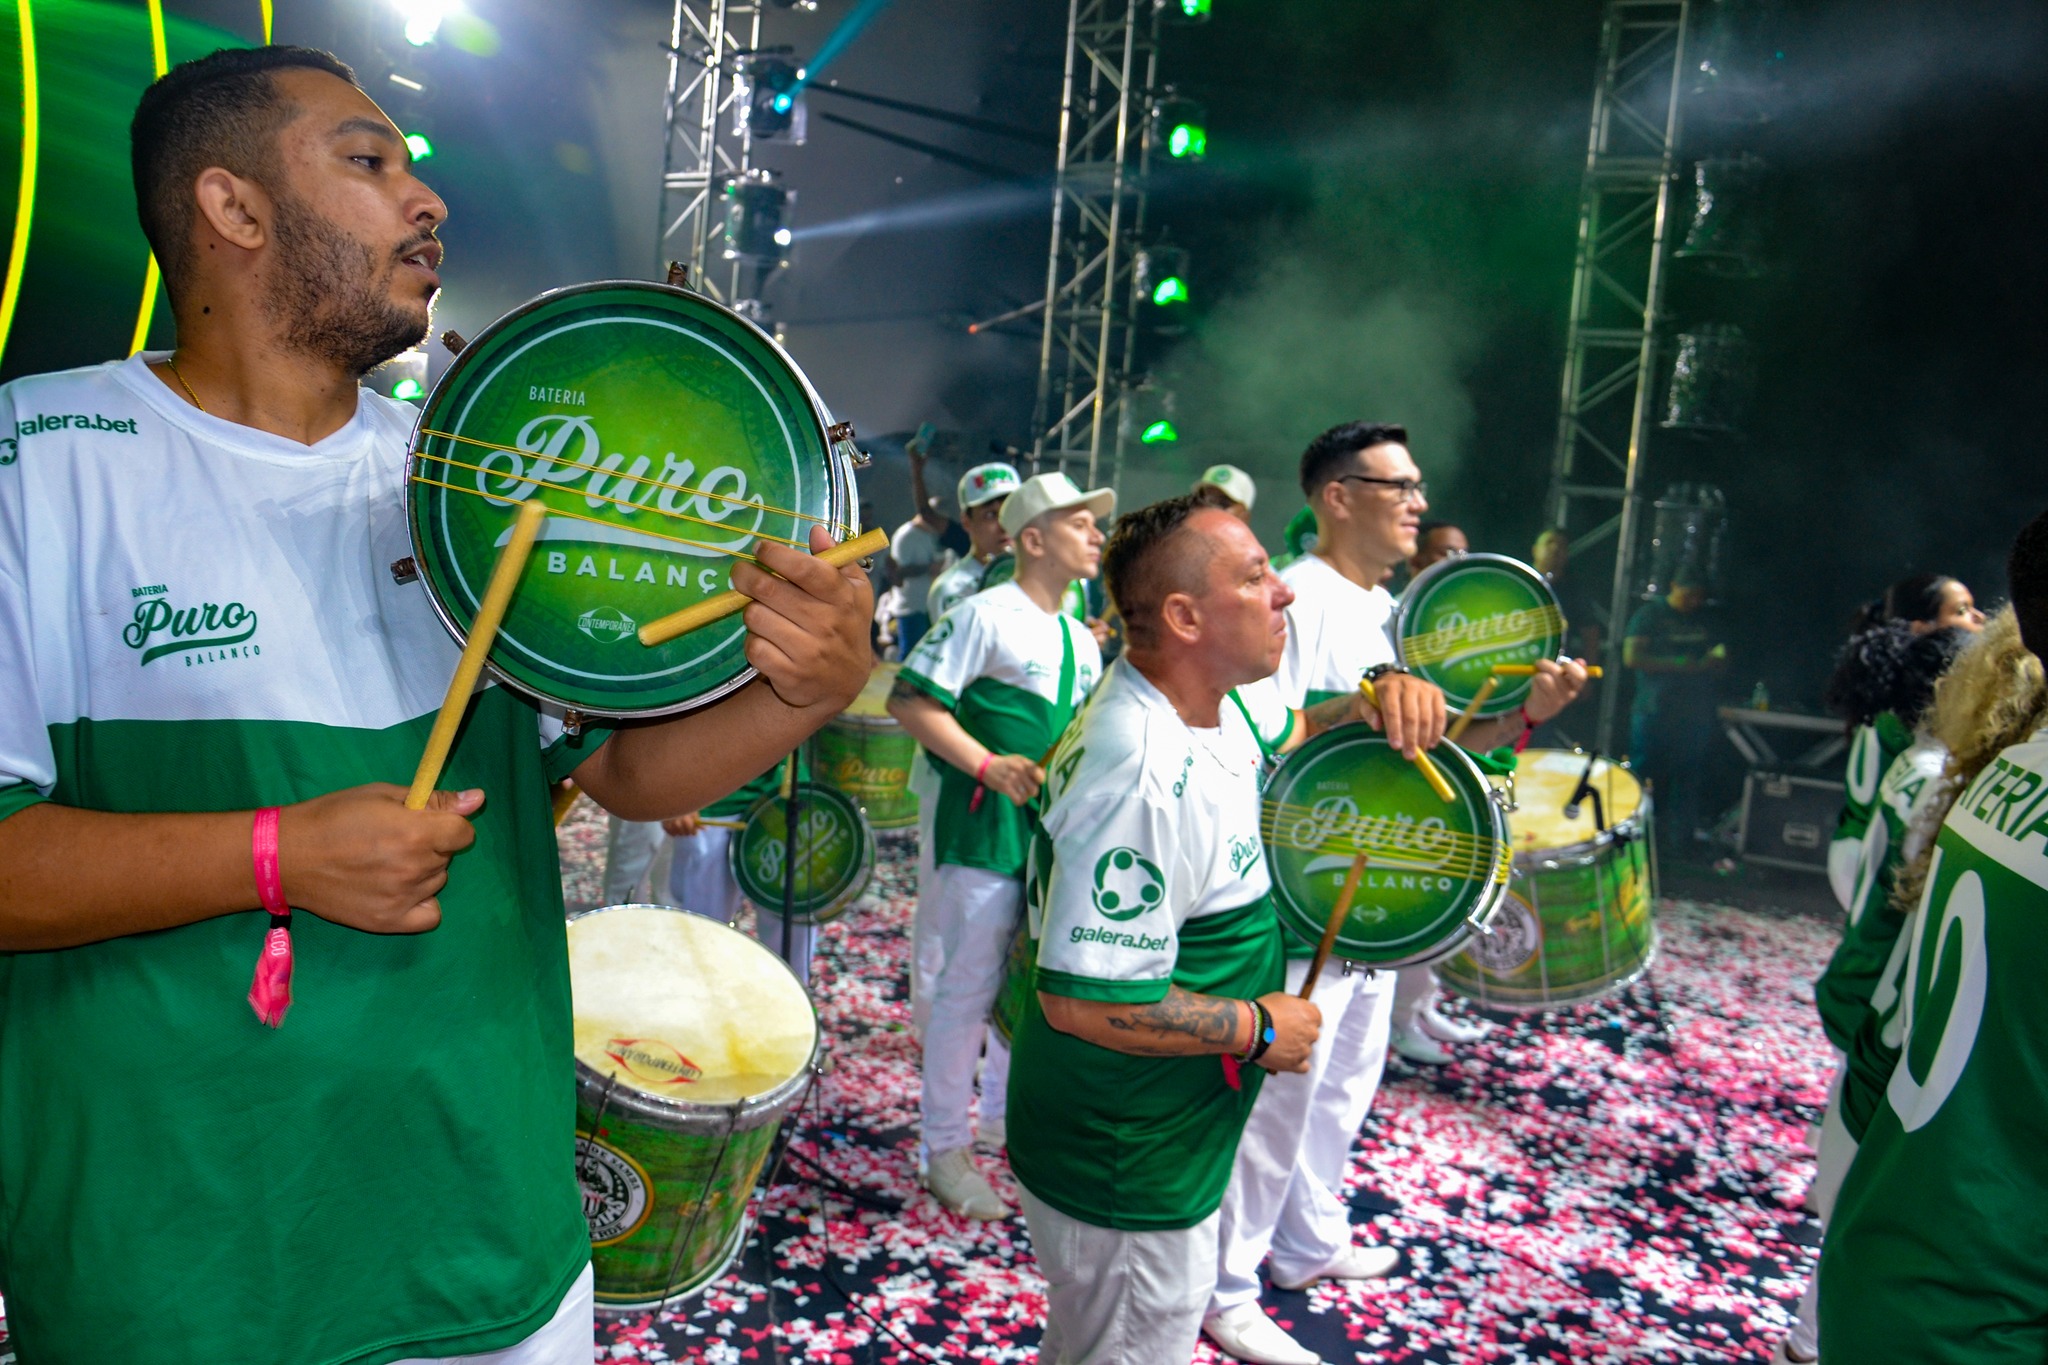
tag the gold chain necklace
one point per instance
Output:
(172, 361)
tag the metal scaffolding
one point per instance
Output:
(701, 151)
(1610, 368)
(1087, 349)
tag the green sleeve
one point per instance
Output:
(18, 796)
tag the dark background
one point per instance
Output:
(1384, 228)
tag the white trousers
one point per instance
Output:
(563, 1340)
(1120, 1298)
(633, 851)
(1414, 988)
(1286, 1192)
(700, 880)
(960, 942)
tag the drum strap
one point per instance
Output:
(1266, 751)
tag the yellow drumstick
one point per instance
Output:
(1529, 670)
(1337, 914)
(482, 631)
(1471, 713)
(1437, 782)
(717, 608)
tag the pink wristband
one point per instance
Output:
(986, 759)
(270, 993)
(980, 790)
(263, 853)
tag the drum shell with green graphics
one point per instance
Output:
(863, 752)
(692, 1042)
(1434, 869)
(1465, 614)
(835, 856)
(667, 436)
(1577, 922)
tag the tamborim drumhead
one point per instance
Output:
(1463, 615)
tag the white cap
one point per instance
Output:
(986, 483)
(1233, 481)
(1042, 493)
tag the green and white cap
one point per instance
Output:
(986, 483)
(1233, 481)
(1055, 492)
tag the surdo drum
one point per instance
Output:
(864, 753)
(692, 1043)
(1576, 921)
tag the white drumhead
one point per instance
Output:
(684, 1008)
(1544, 782)
(872, 705)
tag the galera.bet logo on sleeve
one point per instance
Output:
(1127, 884)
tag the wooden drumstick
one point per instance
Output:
(1529, 670)
(1437, 782)
(666, 628)
(1471, 712)
(1343, 908)
(483, 630)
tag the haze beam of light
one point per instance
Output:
(947, 210)
(841, 38)
(25, 201)
(152, 277)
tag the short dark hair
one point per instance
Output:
(1918, 598)
(223, 109)
(2026, 571)
(1142, 565)
(1424, 530)
(1209, 495)
(1329, 454)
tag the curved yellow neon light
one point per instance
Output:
(151, 277)
(31, 143)
(266, 21)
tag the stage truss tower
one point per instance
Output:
(1086, 353)
(701, 152)
(1610, 369)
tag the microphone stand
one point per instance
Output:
(1587, 789)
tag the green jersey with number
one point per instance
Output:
(1940, 1234)
(196, 616)
(1872, 750)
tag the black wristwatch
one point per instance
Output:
(1378, 671)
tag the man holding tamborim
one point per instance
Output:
(247, 1188)
(986, 694)
(1159, 964)
(1286, 1196)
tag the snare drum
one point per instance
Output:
(1576, 922)
(692, 1042)
(834, 857)
(1463, 615)
(1434, 869)
(863, 752)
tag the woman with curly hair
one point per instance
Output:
(1877, 672)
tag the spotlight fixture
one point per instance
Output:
(1181, 127)
(1148, 416)
(755, 207)
(768, 101)
(422, 19)
(1162, 276)
(1186, 11)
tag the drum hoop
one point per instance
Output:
(842, 504)
(1583, 851)
(681, 1115)
(866, 861)
(1444, 568)
(1490, 894)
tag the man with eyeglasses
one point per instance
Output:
(1286, 1190)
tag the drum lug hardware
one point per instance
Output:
(454, 341)
(678, 275)
(572, 722)
(405, 570)
(840, 434)
(1481, 926)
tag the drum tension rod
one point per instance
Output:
(405, 570)
(454, 341)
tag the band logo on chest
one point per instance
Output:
(208, 632)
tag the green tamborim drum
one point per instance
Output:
(864, 753)
(669, 437)
(692, 1043)
(1463, 615)
(1006, 1015)
(835, 854)
(1434, 869)
(1576, 922)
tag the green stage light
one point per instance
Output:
(408, 388)
(1188, 142)
(1195, 9)
(419, 145)
(1159, 433)
(1172, 289)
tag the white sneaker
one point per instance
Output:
(1244, 1332)
(1352, 1263)
(961, 1187)
(1419, 1047)
(992, 1134)
(1445, 1029)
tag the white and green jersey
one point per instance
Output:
(1012, 674)
(197, 616)
(955, 586)
(1157, 879)
(1336, 630)
(1940, 1233)
(1909, 786)
(1872, 748)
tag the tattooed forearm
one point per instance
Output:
(1326, 714)
(1166, 1029)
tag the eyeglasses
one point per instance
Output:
(1407, 490)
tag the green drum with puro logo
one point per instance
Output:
(692, 1043)
(1006, 1015)
(1576, 922)
(669, 437)
(863, 752)
(1465, 614)
(1434, 869)
(835, 854)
